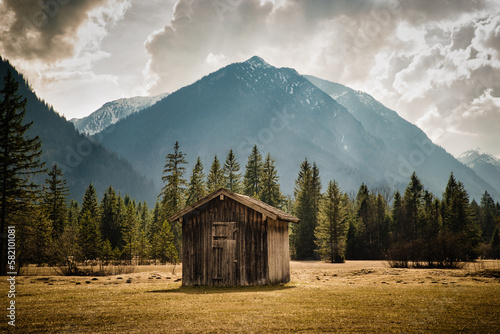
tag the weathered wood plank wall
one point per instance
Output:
(228, 243)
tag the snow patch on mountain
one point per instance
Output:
(111, 112)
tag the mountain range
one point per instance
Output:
(112, 112)
(485, 165)
(83, 161)
(352, 137)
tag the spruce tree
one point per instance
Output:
(462, 233)
(270, 192)
(253, 174)
(54, 201)
(305, 192)
(130, 233)
(487, 217)
(89, 240)
(412, 202)
(154, 232)
(167, 249)
(331, 230)
(172, 193)
(215, 178)
(19, 160)
(231, 173)
(197, 187)
(110, 218)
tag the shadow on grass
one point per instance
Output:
(223, 289)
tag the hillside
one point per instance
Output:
(81, 160)
(414, 150)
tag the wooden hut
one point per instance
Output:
(232, 239)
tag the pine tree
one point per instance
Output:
(54, 201)
(174, 189)
(19, 160)
(315, 191)
(412, 202)
(172, 193)
(89, 240)
(306, 209)
(197, 187)
(231, 173)
(331, 230)
(167, 250)
(144, 216)
(215, 178)
(270, 192)
(37, 246)
(154, 231)
(253, 174)
(488, 215)
(129, 231)
(110, 218)
(462, 232)
(398, 216)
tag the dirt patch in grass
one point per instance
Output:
(357, 297)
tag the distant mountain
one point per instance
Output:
(413, 149)
(252, 103)
(112, 112)
(485, 165)
(81, 160)
(287, 115)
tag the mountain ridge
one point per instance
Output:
(485, 165)
(287, 115)
(113, 111)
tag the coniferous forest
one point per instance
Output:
(415, 228)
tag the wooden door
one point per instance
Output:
(224, 261)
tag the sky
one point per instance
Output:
(435, 62)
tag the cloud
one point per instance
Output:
(429, 60)
(44, 30)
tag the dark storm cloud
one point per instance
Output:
(44, 30)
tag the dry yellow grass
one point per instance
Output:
(353, 297)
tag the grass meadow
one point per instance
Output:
(358, 296)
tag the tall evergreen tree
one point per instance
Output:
(54, 201)
(197, 187)
(331, 230)
(167, 249)
(154, 232)
(306, 209)
(130, 232)
(89, 240)
(19, 160)
(215, 178)
(462, 232)
(253, 174)
(110, 218)
(487, 216)
(231, 173)
(412, 201)
(270, 192)
(315, 191)
(172, 193)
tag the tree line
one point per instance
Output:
(414, 228)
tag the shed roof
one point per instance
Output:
(248, 201)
